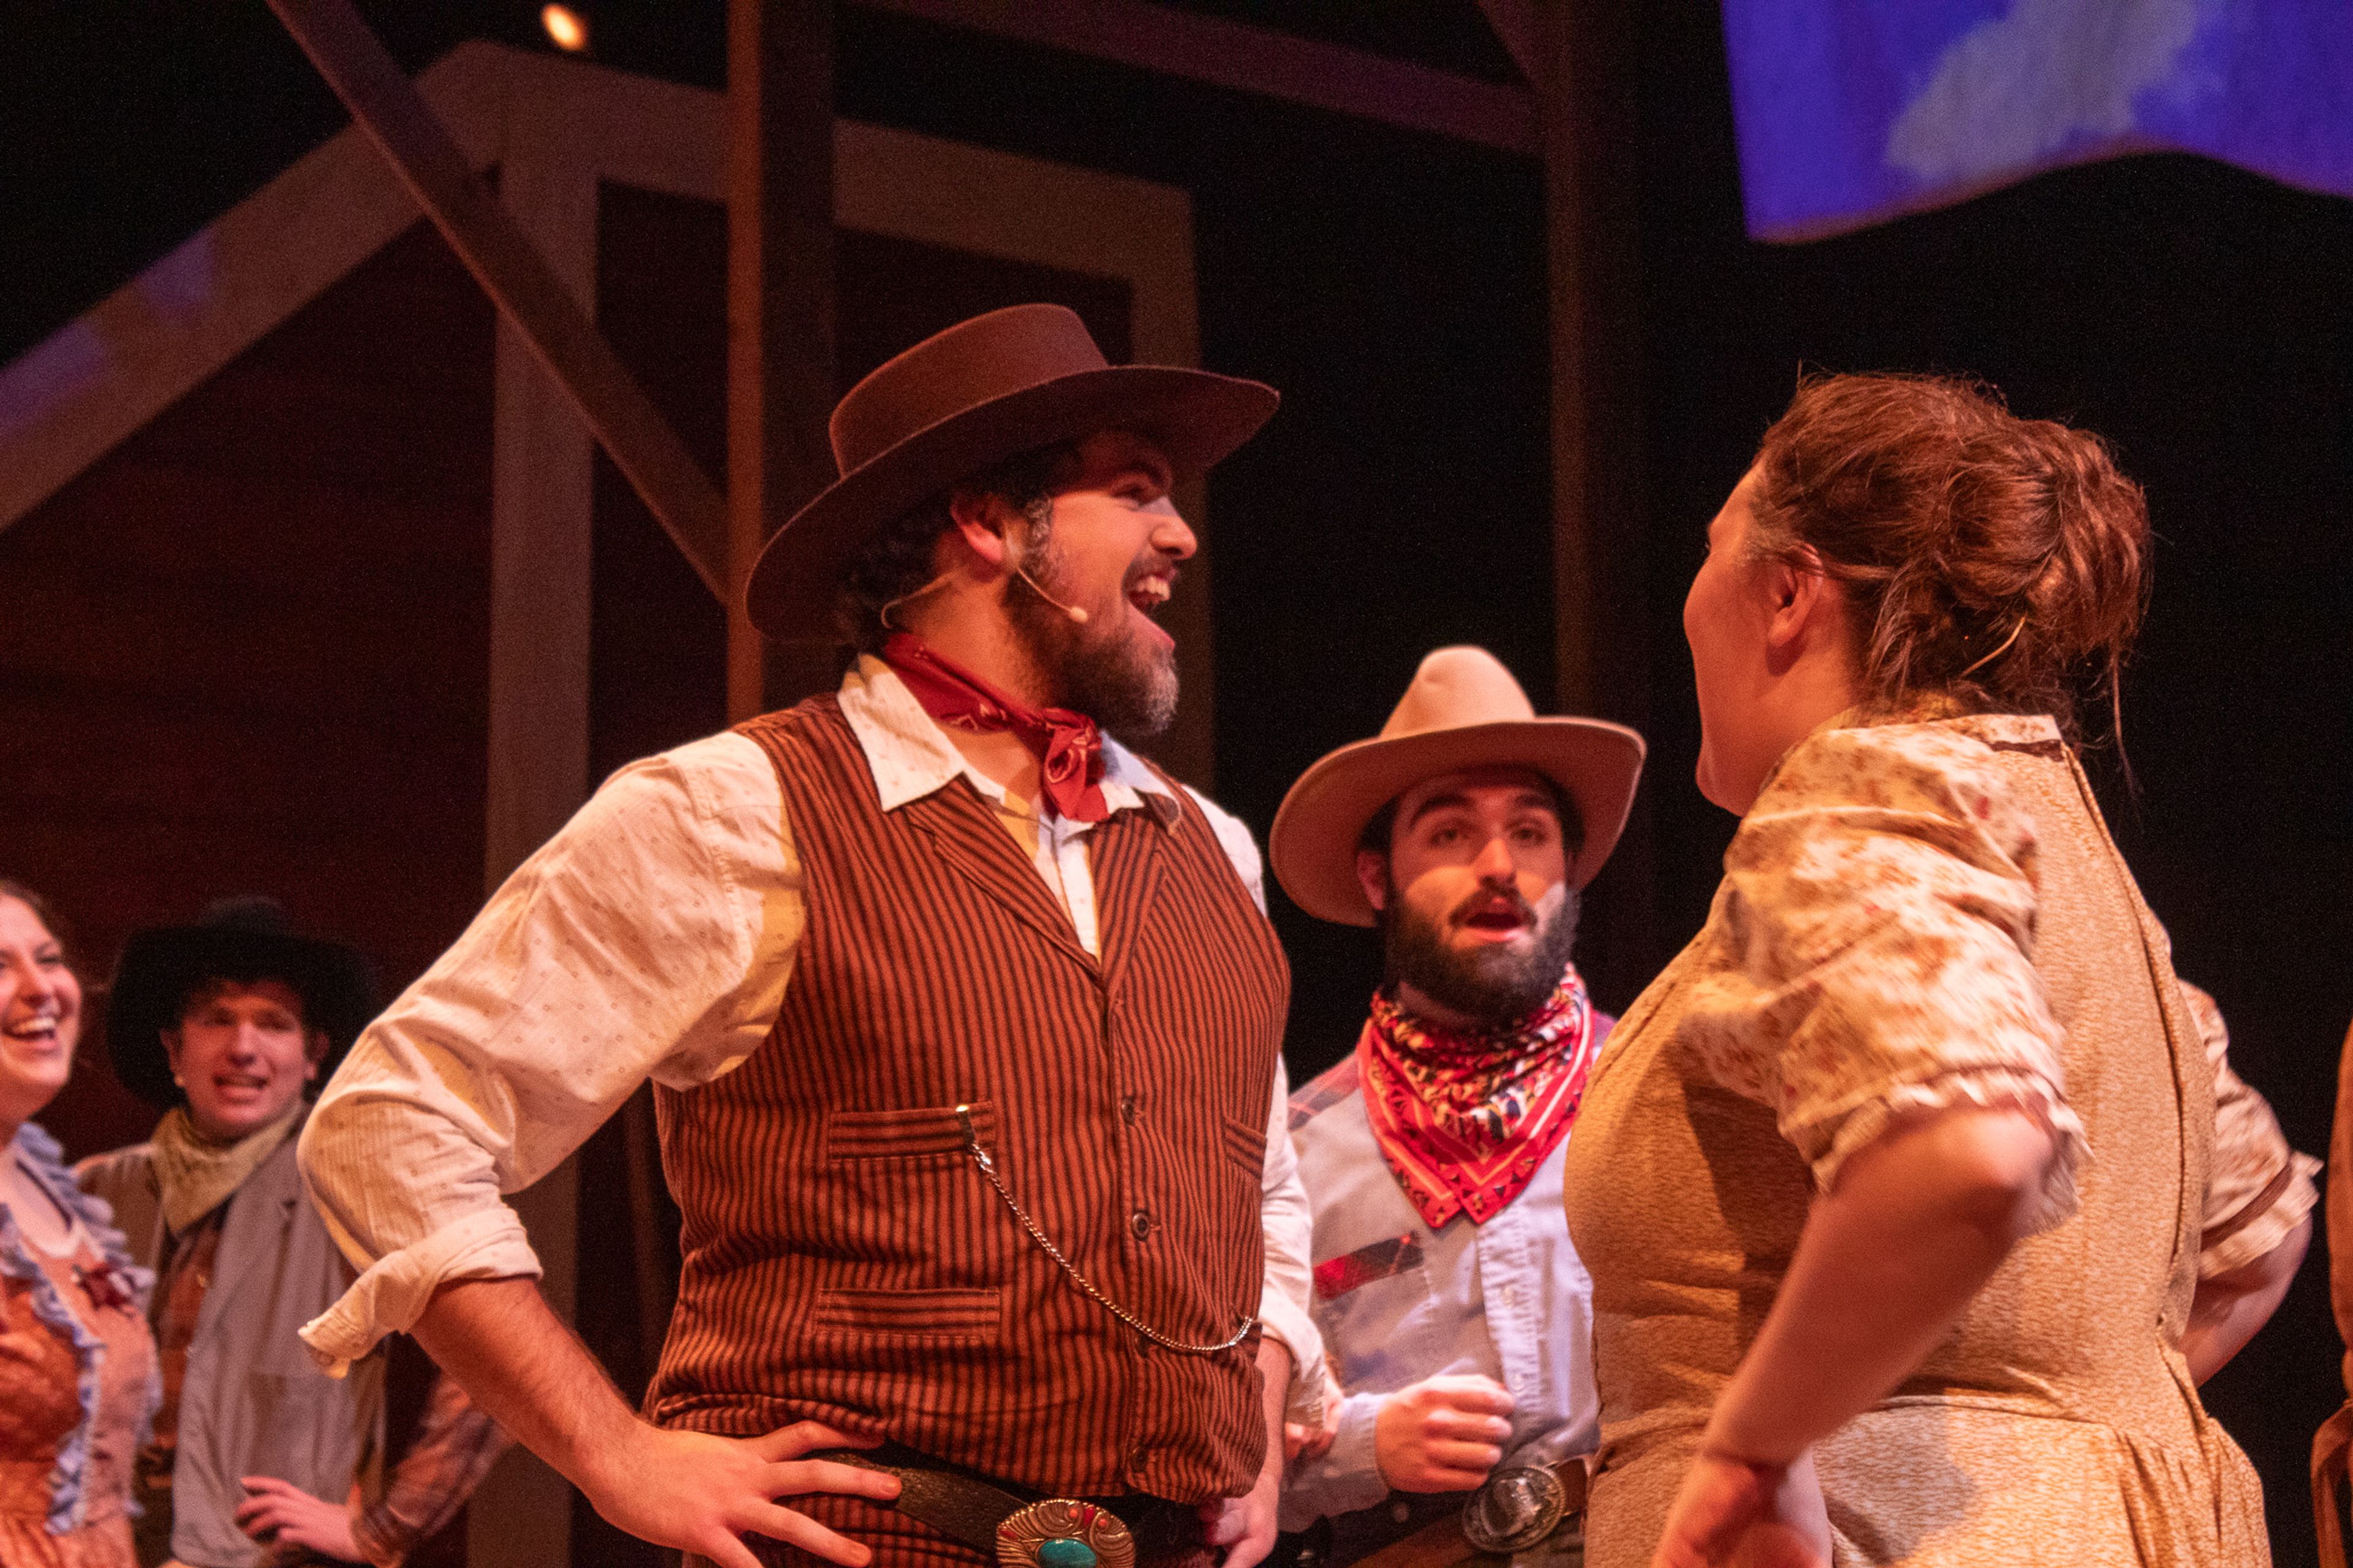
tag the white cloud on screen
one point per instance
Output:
(2015, 89)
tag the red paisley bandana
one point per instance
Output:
(1466, 1119)
(1067, 745)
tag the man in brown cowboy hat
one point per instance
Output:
(963, 1021)
(1446, 1288)
(253, 1455)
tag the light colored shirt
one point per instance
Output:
(653, 937)
(1508, 1299)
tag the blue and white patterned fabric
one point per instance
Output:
(1854, 112)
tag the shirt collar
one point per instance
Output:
(911, 756)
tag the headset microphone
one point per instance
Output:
(1077, 616)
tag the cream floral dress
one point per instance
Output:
(1921, 915)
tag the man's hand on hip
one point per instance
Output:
(292, 1523)
(1443, 1434)
(700, 1493)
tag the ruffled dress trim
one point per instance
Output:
(67, 1507)
(1973, 1089)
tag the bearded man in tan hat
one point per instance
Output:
(1446, 1289)
(962, 1019)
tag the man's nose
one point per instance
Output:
(1494, 863)
(1172, 535)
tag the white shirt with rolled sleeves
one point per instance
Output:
(1508, 1299)
(653, 937)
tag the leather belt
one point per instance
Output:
(1022, 1529)
(1517, 1512)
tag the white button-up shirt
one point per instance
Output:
(653, 937)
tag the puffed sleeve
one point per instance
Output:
(1874, 941)
(2257, 1188)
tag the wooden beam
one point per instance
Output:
(1248, 58)
(1521, 31)
(780, 341)
(1600, 554)
(385, 106)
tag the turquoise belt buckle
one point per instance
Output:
(1061, 1533)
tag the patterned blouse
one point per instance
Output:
(1874, 938)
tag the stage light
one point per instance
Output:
(566, 27)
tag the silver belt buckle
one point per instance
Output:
(1515, 1509)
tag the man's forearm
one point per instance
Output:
(518, 1361)
(1275, 1375)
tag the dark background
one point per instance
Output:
(1393, 286)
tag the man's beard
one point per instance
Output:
(1114, 677)
(1493, 985)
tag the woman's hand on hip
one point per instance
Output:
(1733, 1513)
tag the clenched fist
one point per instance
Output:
(1443, 1434)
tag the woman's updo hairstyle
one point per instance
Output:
(1997, 562)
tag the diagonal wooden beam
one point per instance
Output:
(395, 116)
(1253, 59)
(1521, 30)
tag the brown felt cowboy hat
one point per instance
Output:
(961, 401)
(1462, 711)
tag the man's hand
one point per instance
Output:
(1302, 1441)
(1443, 1434)
(1731, 1513)
(700, 1493)
(1244, 1525)
(287, 1520)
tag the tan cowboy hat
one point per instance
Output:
(981, 392)
(1462, 711)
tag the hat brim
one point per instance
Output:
(160, 966)
(1313, 843)
(1195, 417)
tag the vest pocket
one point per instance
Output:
(904, 1134)
(1245, 1144)
(967, 1315)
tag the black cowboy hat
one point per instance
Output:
(242, 939)
(983, 391)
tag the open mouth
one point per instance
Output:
(39, 1030)
(1149, 592)
(1497, 918)
(239, 1083)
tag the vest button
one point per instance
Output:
(1141, 1222)
(1129, 1112)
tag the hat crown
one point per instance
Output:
(1457, 687)
(252, 914)
(972, 362)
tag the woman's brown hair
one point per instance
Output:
(32, 900)
(1998, 561)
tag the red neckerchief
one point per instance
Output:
(1466, 1119)
(1067, 745)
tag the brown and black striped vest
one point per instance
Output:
(846, 1259)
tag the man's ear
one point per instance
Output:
(1373, 875)
(981, 524)
(313, 1054)
(171, 1038)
